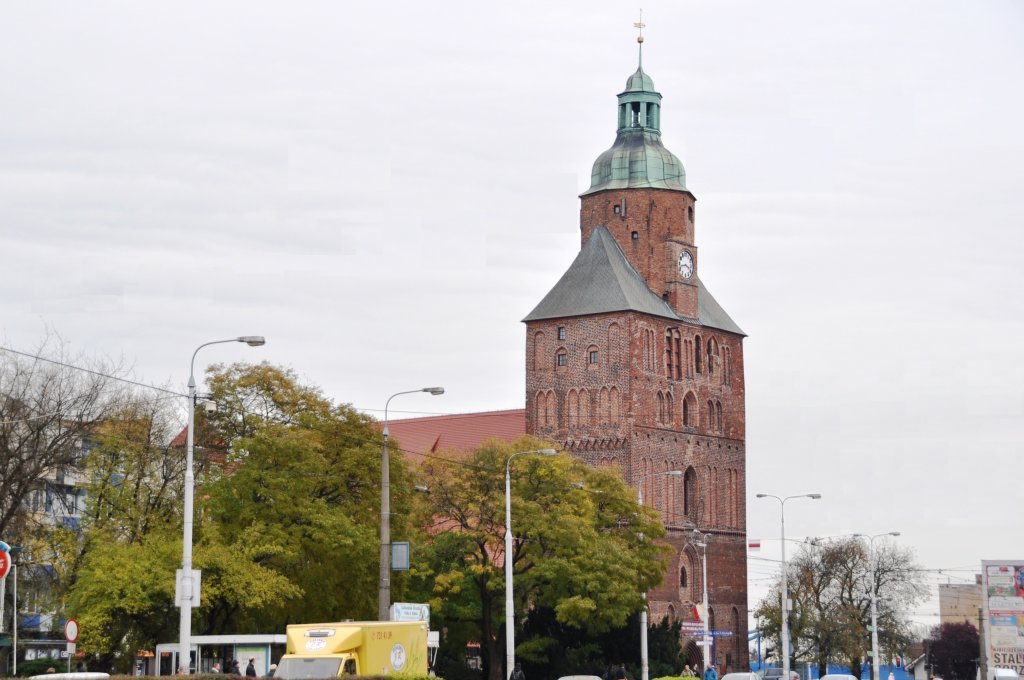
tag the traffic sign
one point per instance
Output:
(4, 547)
(713, 633)
(5, 563)
(71, 630)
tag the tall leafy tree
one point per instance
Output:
(829, 582)
(46, 408)
(583, 549)
(953, 651)
(117, 567)
(285, 521)
(298, 496)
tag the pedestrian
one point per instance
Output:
(620, 672)
(273, 669)
(233, 667)
(216, 667)
(250, 670)
(892, 676)
(688, 672)
(51, 669)
(711, 673)
(517, 672)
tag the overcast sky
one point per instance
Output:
(384, 190)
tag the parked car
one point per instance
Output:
(579, 677)
(776, 674)
(839, 676)
(740, 676)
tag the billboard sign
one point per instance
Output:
(1002, 597)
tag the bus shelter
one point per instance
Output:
(211, 649)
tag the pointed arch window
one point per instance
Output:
(584, 408)
(712, 352)
(690, 410)
(690, 492)
(540, 351)
(673, 354)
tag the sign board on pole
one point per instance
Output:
(400, 556)
(713, 633)
(180, 587)
(71, 631)
(410, 611)
(72, 648)
(1002, 603)
(5, 563)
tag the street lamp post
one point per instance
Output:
(185, 589)
(14, 624)
(784, 642)
(384, 592)
(510, 612)
(14, 552)
(702, 543)
(644, 666)
(874, 598)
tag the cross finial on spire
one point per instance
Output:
(640, 26)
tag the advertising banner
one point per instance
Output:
(1002, 596)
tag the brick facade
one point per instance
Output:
(647, 395)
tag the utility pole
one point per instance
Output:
(983, 647)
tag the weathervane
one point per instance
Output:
(640, 25)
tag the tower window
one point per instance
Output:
(593, 356)
(689, 213)
(561, 332)
(673, 354)
(635, 235)
(616, 209)
(561, 359)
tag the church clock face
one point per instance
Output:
(686, 264)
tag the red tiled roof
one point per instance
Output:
(463, 432)
(181, 439)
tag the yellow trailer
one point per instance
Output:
(328, 650)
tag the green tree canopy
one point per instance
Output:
(286, 516)
(299, 496)
(582, 548)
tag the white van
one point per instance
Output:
(1001, 674)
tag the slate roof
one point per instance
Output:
(711, 315)
(602, 280)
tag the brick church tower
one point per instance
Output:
(631, 363)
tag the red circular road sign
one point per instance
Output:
(5, 563)
(71, 630)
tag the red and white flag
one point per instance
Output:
(754, 545)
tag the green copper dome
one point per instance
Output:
(638, 159)
(639, 82)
